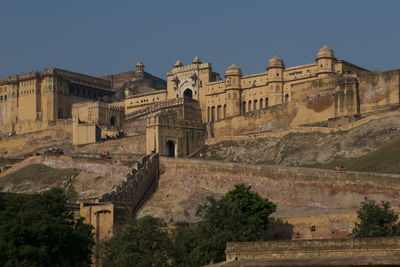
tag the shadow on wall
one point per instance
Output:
(279, 230)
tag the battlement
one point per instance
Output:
(189, 68)
(70, 76)
(98, 104)
(176, 102)
(139, 185)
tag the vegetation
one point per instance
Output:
(384, 160)
(38, 173)
(376, 220)
(144, 242)
(240, 215)
(37, 230)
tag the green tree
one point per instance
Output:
(141, 242)
(37, 230)
(240, 215)
(376, 220)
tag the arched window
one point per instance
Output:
(249, 109)
(255, 105)
(286, 98)
(224, 112)
(266, 102)
(219, 112)
(208, 114)
(213, 114)
(244, 107)
(261, 103)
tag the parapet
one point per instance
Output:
(98, 104)
(315, 250)
(189, 68)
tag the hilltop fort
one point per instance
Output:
(285, 116)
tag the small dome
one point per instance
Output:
(325, 51)
(196, 60)
(178, 64)
(139, 64)
(275, 62)
(233, 70)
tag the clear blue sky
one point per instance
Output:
(101, 37)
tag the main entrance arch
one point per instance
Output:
(170, 149)
(188, 93)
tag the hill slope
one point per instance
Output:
(384, 160)
(300, 149)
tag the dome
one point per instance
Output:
(325, 51)
(275, 62)
(196, 60)
(233, 70)
(178, 64)
(139, 64)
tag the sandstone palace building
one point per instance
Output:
(198, 104)
(32, 101)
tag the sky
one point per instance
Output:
(98, 37)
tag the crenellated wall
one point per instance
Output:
(139, 185)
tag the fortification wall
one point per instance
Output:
(185, 183)
(135, 126)
(318, 101)
(279, 133)
(378, 90)
(290, 185)
(317, 249)
(124, 157)
(128, 145)
(140, 184)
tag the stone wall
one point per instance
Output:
(127, 145)
(185, 184)
(125, 157)
(318, 101)
(315, 249)
(139, 186)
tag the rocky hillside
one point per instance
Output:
(314, 146)
(130, 80)
(90, 178)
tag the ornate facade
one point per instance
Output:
(239, 94)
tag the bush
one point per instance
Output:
(37, 230)
(376, 220)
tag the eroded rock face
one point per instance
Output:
(308, 148)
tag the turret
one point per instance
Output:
(196, 60)
(178, 64)
(275, 79)
(275, 69)
(325, 61)
(140, 69)
(233, 77)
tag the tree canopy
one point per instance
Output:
(240, 215)
(141, 242)
(376, 220)
(37, 230)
